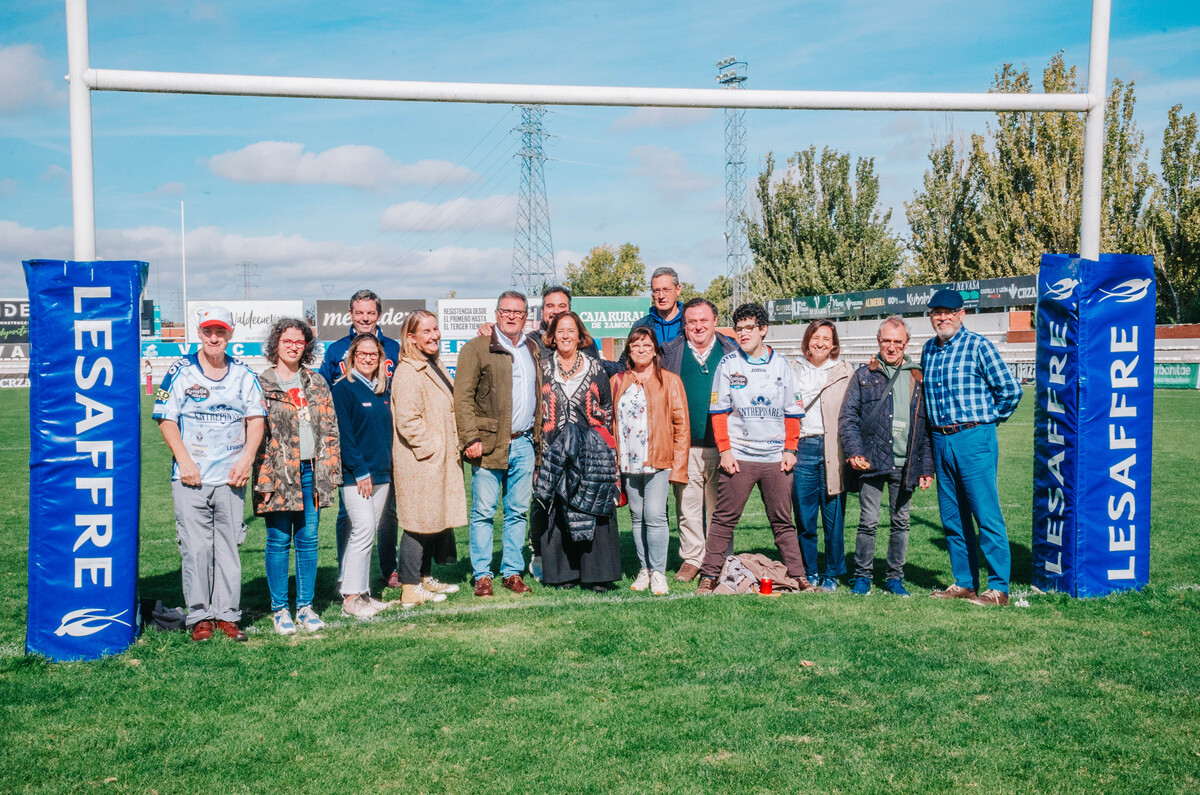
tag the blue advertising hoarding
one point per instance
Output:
(85, 457)
(1094, 422)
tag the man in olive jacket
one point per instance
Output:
(496, 386)
(886, 441)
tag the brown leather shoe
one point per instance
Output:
(990, 598)
(394, 581)
(483, 586)
(954, 592)
(687, 573)
(231, 630)
(202, 630)
(514, 583)
(706, 586)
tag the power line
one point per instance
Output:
(533, 245)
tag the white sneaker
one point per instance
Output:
(428, 595)
(309, 620)
(437, 586)
(283, 622)
(357, 607)
(379, 605)
(658, 583)
(642, 582)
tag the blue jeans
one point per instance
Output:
(966, 464)
(647, 494)
(281, 527)
(810, 498)
(515, 486)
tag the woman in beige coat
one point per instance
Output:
(426, 469)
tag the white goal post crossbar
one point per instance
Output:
(84, 79)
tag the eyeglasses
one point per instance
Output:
(512, 312)
(365, 355)
(293, 343)
(741, 329)
(663, 291)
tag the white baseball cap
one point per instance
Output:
(216, 316)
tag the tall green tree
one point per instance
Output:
(822, 229)
(944, 218)
(605, 271)
(1017, 192)
(1174, 221)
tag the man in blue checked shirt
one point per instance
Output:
(968, 389)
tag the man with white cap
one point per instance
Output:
(211, 413)
(968, 389)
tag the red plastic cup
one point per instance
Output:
(765, 586)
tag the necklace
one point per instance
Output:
(566, 374)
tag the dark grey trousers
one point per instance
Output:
(870, 500)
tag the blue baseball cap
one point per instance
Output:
(946, 299)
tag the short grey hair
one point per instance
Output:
(665, 271)
(895, 320)
(520, 296)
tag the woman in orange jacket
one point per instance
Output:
(650, 424)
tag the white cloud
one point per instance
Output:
(491, 214)
(669, 174)
(53, 173)
(286, 266)
(25, 79)
(354, 166)
(169, 189)
(661, 118)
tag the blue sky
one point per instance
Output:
(417, 199)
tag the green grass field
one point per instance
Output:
(571, 692)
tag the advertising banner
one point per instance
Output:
(1178, 375)
(85, 457)
(459, 319)
(1012, 291)
(1093, 424)
(333, 317)
(14, 321)
(252, 320)
(610, 316)
(175, 350)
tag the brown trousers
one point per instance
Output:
(732, 493)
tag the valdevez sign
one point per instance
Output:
(85, 457)
(1093, 424)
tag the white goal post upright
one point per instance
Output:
(84, 79)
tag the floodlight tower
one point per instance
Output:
(731, 73)
(533, 247)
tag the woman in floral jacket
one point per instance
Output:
(298, 468)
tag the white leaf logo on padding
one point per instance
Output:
(1061, 289)
(89, 621)
(1128, 292)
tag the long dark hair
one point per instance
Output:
(271, 347)
(642, 332)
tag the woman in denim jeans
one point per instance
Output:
(822, 379)
(298, 468)
(650, 424)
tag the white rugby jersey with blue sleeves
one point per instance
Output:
(757, 396)
(210, 414)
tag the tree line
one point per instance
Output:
(989, 206)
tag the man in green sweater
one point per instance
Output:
(693, 356)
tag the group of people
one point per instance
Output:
(556, 438)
